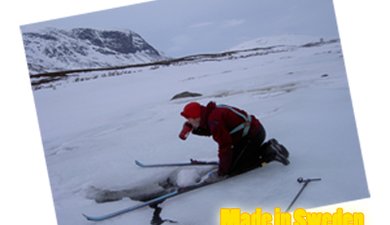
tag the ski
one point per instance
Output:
(132, 208)
(177, 191)
(150, 202)
(191, 163)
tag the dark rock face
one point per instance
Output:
(185, 94)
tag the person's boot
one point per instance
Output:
(273, 151)
(280, 147)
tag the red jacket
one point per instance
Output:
(219, 122)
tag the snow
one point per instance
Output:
(188, 177)
(93, 131)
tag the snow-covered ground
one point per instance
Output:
(93, 131)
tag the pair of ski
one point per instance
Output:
(157, 199)
(182, 190)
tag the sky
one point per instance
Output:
(364, 37)
(184, 27)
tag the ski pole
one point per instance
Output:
(305, 183)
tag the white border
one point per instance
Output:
(26, 196)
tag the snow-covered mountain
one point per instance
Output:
(52, 49)
(93, 131)
(262, 46)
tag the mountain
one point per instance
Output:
(257, 47)
(53, 50)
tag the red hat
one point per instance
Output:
(191, 110)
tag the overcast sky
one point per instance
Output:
(184, 27)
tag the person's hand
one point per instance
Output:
(185, 131)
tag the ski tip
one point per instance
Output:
(87, 217)
(138, 163)
(94, 219)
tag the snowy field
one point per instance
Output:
(93, 131)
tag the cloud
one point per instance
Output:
(180, 42)
(201, 25)
(223, 24)
(233, 23)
